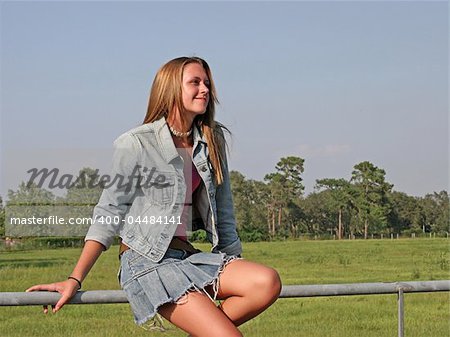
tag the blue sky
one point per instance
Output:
(335, 83)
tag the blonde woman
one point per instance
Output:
(170, 177)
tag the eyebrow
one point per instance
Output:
(199, 78)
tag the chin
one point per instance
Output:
(200, 112)
(195, 113)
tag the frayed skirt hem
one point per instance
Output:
(169, 282)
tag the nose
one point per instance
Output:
(204, 89)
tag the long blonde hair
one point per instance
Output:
(166, 96)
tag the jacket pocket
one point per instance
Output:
(159, 187)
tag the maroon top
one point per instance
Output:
(193, 180)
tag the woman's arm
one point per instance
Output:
(229, 241)
(114, 201)
(68, 288)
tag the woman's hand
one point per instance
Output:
(66, 288)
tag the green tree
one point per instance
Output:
(405, 213)
(276, 202)
(319, 212)
(341, 196)
(86, 189)
(249, 198)
(29, 201)
(291, 169)
(241, 201)
(80, 201)
(435, 208)
(285, 189)
(371, 195)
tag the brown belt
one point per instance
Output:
(176, 243)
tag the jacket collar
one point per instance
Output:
(166, 143)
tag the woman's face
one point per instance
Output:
(195, 89)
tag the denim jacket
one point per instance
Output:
(145, 196)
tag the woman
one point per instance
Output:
(170, 176)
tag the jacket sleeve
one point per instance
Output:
(229, 241)
(118, 193)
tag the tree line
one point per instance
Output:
(276, 208)
(364, 205)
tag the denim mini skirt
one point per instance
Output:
(148, 284)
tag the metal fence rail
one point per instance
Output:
(288, 291)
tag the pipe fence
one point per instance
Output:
(288, 291)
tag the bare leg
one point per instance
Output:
(248, 288)
(198, 316)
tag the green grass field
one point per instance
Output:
(298, 262)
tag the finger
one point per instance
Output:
(47, 287)
(33, 288)
(45, 309)
(63, 300)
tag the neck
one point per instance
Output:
(175, 121)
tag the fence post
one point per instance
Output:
(401, 332)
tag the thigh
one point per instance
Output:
(242, 278)
(198, 315)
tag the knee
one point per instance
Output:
(268, 284)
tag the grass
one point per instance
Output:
(298, 262)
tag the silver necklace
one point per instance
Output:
(179, 133)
